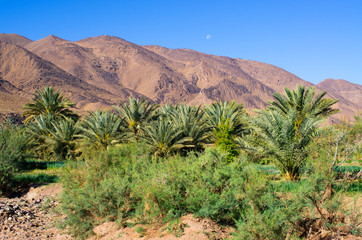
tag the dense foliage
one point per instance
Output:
(127, 183)
(13, 146)
(48, 101)
(145, 162)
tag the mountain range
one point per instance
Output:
(99, 72)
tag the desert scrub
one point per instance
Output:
(124, 182)
(298, 210)
(12, 151)
(99, 189)
(127, 182)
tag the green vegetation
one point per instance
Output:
(227, 121)
(276, 175)
(36, 178)
(102, 129)
(13, 146)
(49, 102)
(136, 113)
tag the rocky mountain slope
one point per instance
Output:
(12, 99)
(114, 64)
(13, 38)
(350, 91)
(27, 72)
(100, 71)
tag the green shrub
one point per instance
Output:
(225, 140)
(124, 182)
(214, 187)
(264, 214)
(6, 177)
(141, 231)
(96, 191)
(127, 182)
(12, 151)
(277, 210)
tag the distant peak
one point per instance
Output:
(11, 34)
(54, 38)
(14, 38)
(328, 80)
(104, 37)
(108, 36)
(155, 46)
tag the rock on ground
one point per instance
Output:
(29, 216)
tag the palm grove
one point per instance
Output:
(220, 139)
(281, 132)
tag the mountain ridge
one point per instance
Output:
(101, 71)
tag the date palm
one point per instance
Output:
(48, 101)
(278, 139)
(304, 102)
(220, 113)
(64, 138)
(37, 132)
(136, 113)
(103, 128)
(227, 121)
(163, 138)
(190, 120)
(287, 126)
(50, 138)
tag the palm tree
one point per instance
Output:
(64, 138)
(37, 132)
(166, 110)
(221, 113)
(49, 102)
(226, 119)
(190, 120)
(278, 139)
(287, 126)
(50, 138)
(163, 138)
(136, 113)
(103, 128)
(302, 100)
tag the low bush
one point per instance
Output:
(99, 188)
(293, 210)
(12, 151)
(127, 182)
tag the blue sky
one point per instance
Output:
(315, 40)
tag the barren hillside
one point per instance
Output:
(114, 64)
(100, 71)
(349, 91)
(12, 99)
(13, 38)
(28, 72)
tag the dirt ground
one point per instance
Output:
(191, 229)
(29, 216)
